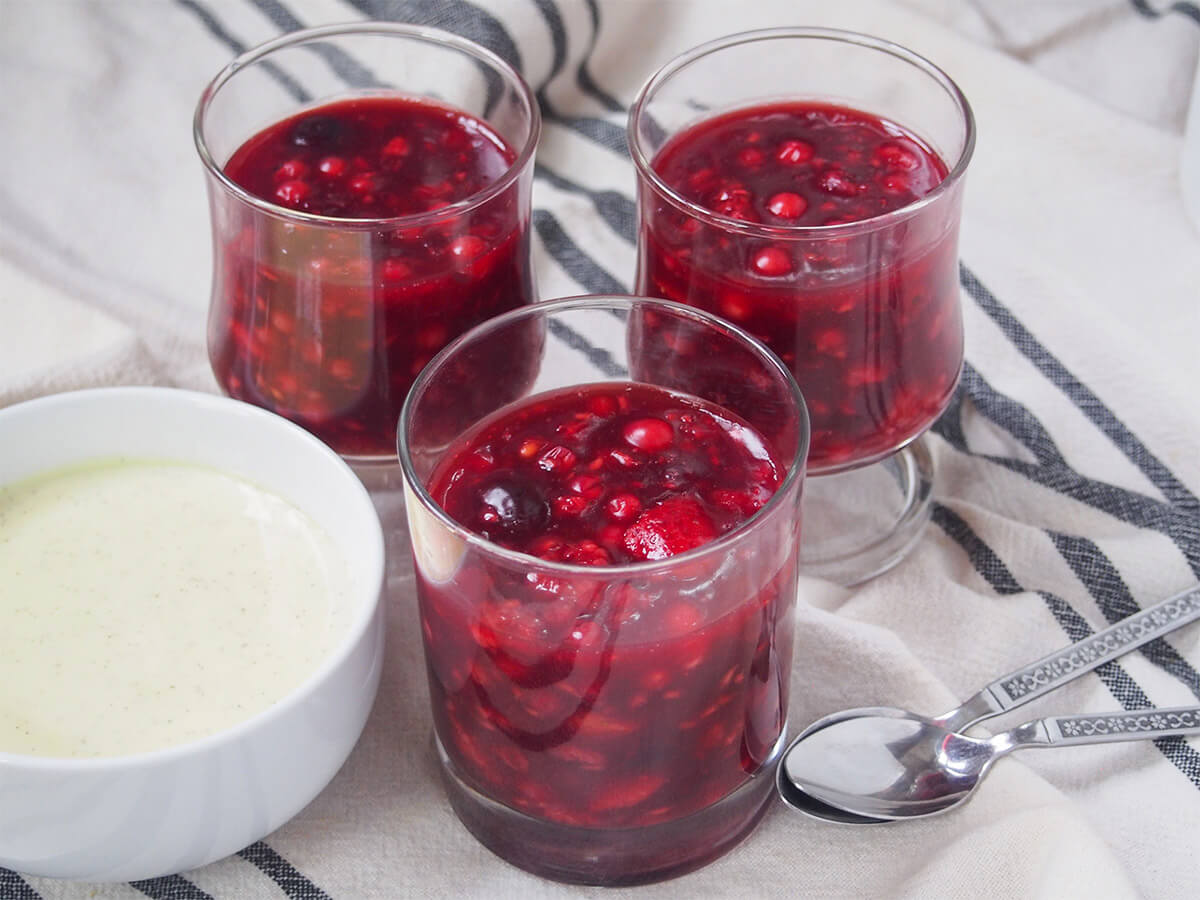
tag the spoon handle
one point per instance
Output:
(1066, 731)
(1055, 670)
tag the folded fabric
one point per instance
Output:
(55, 343)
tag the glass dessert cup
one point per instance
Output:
(369, 188)
(773, 230)
(603, 722)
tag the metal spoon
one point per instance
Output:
(1003, 694)
(903, 767)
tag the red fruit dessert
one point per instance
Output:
(607, 474)
(328, 321)
(627, 690)
(867, 318)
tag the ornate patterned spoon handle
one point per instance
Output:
(1058, 668)
(1138, 725)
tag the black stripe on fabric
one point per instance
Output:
(1112, 595)
(1012, 416)
(598, 130)
(558, 36)
(468, 20)
(282, 872)
(218, 31)
(1053, 472)
(982, 557)
(1084, 557)
(617, 210)
(584, 76)
(1120, 685)
(1087, 402)
(170, 887)
(597, 356)
(950, 425)
(581, 267)
(1191, 10)
(343, 65)
(14, 887)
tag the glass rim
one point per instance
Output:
(417, 32)
(795, 470)
(643, 163)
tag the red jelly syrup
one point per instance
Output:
(329, 321)
(599, 697)
(868, 319)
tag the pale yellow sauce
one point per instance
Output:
(145, 604)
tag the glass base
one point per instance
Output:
(860, 523)
(377, 475)
(611, 857)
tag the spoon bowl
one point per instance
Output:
(889, 767)
(795, 797)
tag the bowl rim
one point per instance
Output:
(360, 621)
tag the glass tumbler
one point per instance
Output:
(587, 731)
(326, 312)
(865, 308)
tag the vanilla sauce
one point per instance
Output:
(144, 604)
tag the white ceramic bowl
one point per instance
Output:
(150, 814)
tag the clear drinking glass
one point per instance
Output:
(866, 313)
(328, 319)
(588, 731)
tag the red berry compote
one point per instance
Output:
(867, 318)
(623, 694)
(328, 321)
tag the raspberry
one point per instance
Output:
(674, 526)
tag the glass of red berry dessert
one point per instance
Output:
(607, 572)
(806, 185)
(369, 186)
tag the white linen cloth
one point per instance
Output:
(1068, 466)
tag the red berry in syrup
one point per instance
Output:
(292, 168)
(292, 193)
(787, 205)
(362, 184)
(751, 157)
(396, 148)
(838, 183)
(652, 435)
(675, 526)
(771, 262)
(896, 157)
(467, 247)
(396, 270)
(894, 184)
(333, 166)
(794, 153)
(623, 507)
